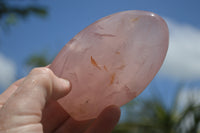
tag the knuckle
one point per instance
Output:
(42, 71)
(42, 75)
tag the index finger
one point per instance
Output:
(9, 91)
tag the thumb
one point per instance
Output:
(26, 104)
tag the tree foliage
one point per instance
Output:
(152, 116)
(10, 14)
(37, 60)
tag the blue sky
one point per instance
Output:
(68, 17)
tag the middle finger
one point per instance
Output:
(53, 116)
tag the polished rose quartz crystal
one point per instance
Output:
(111, 61)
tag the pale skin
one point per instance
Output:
(30, 106)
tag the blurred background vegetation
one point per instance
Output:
(142, 115)
(9, 15)
(153, 116)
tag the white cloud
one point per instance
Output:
(183, 57)
(188, 96)
(7, 71)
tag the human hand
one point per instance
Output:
(29, 105)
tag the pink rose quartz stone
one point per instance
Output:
(111, 61)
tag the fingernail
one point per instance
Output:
(67, 83)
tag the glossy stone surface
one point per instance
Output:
(111, 61)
